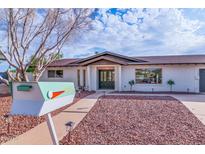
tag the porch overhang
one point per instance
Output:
(108, 56)
(113, 60)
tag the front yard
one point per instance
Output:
(138, 120)
(20, 124)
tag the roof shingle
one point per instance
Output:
(63, 62)
(172, 59)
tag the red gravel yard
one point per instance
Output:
(16, 125)
(138, 120)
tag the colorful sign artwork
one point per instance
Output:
(55, 94)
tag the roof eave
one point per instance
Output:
(165, 63)
(109, 53)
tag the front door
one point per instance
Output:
(202, 80)
(106, 79)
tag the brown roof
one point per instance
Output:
(110, 54)
(172, 59)
(63, 62)
(121, 59)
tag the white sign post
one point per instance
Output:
(51, 128)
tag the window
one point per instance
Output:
(55, 73)
(149, 76)
(51, 73)
(59, 73)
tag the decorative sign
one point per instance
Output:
(24, 87)
(39, 98)
(53, 95)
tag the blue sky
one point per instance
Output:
(141, 32)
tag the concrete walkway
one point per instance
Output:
(194, 102)
(39, 135)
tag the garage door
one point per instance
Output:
(202, 80)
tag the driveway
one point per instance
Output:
(195, 103)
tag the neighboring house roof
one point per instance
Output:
(125, 60)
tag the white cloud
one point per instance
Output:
(141, 32)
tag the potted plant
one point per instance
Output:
(131, 83)
(170, 83)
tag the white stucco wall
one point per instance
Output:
(69, 75)
(185, 77)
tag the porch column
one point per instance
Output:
(81, 76)
(94, 81)
(120, 78)
(89, 77)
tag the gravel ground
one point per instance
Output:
(138, 120)
(21, 124)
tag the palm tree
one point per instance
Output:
(170, 83)
(131, 83)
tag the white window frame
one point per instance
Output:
(148, 69)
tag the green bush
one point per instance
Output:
(131, 83)
(170, 83)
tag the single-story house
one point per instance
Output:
(111, 71)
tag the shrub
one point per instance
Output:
(170, 83)
(131, 83)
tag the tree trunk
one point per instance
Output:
(36, 78)
(24, 76)
(38, 75)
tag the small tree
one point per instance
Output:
(170, 83)
(131, 83)
(40, 33)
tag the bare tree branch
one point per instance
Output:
(40, 34)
